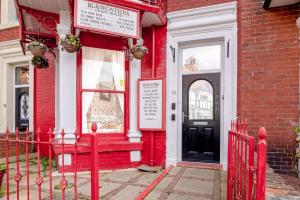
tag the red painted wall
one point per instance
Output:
(44, 100)
(160, 71)
(268, 76)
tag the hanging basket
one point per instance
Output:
(138, 52)
(71, 43)
(40, 62)
(37, 48)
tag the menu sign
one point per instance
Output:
(107, 18)
(151, 97)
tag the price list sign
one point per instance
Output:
(107, 18)
(151, 104)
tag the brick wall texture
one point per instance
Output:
(268, 76)
(268, 72)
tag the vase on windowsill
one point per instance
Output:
(71, 43)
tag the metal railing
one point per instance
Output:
(242, 169)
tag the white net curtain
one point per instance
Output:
(103, 71)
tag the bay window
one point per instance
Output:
(103, 90)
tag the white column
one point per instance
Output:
(65, 87)
(133, 134)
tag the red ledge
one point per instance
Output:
(102, 147)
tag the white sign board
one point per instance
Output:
(151, 97)
(107, 18)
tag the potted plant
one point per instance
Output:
(296, 130)
(37, 48)
(2, 173)
(69, 193)
(138, 51)
(40, 62)
(71, 43)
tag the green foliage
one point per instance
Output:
(39, 62)
(3, 167)
(45, 165)
(72, 40)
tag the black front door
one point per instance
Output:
(201, 117)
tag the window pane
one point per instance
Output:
(22, 75)
(201, 58)
(106, 109)
(103, 69)
(201, 100)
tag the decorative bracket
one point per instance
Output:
(173, 50)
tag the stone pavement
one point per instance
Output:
(179, 183)
(277, 189)
(190, 184)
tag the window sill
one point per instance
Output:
(9, 25)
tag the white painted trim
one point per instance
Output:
(201, 25)
(11, 54)
(9, 25)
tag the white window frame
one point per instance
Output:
(15, 86)
(6, 16)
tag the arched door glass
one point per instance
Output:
(201, 100)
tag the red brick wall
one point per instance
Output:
(268, 76)
(44, 100)
(160, 71)
(175, 5)
(9, 34)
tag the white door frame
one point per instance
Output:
(198, 26)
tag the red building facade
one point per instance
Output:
(259, 80)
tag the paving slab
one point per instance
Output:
(199, 173)
(174, 171)
(147, 178)
(185, 197)
(120, 176)
(128, 193)
(154, 195)
(105, 188)
(164, 183)
(195, 186)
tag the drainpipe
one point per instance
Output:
(153, 75)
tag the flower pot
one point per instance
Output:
(138, 52)
(69, 48)
(37, 50)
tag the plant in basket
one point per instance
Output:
(71, 43)
(139, 50)
(40, 62)
(37, 48)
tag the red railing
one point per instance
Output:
(39, 179)
(242, 168)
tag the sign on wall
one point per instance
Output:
(107, 18)
(151, 101)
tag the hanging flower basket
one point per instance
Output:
(71, 43)
(138, 51)
(40, 62)
(37, 48)
(2, 173)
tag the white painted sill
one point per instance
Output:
(9, 25)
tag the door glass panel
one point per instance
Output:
(201, 100)
(103, 69)
(199, 59)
